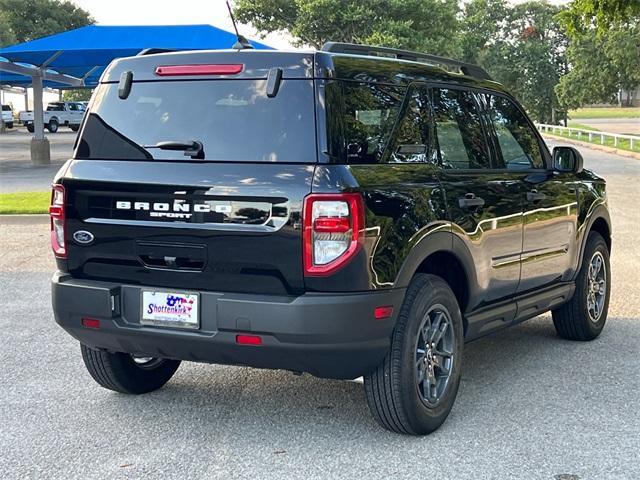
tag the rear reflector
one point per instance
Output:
(221, 69)
(248, 340)
(91, 323)
(383, 312)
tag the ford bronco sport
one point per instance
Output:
(356, 211)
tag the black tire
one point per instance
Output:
(31, 128)
(9, 125)
(120, 373)
(574, 320)
(74, 128)
(393, 391)
(52, 126)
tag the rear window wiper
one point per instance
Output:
(193, 149)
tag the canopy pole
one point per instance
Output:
(40, 153)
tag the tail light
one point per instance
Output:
(333, 231)
(56, 212)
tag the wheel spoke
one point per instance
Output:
(436, 326)
(437, 336)
(442, 353)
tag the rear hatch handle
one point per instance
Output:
(193, 149)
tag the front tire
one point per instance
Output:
(414, 388)
(584, 316)
(125, 373)
(31, 128)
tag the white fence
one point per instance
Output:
(580, 133)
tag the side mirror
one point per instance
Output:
(567, 159)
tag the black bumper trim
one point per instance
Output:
(328, 335)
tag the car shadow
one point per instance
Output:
(503, 374)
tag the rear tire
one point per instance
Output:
(584, 316)
(9, 125)
(121, 373)
(52, 126)
(422, 347)
(31, 128)
(74, 128)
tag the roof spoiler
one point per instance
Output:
(384, 52)
(152, 51)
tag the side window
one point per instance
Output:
(73, 107)
(370, 112)
(410, 142)
(459, 131)
(518, 143)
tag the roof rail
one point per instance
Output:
(384, 52)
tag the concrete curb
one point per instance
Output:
(595, 146)
(36, 219)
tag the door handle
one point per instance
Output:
(535, 196)
(470, 201)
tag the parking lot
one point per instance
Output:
(530, 406)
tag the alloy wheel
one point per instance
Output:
(435, 354)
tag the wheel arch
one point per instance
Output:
(446, 256)
(599, 221)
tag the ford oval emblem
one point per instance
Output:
(83, 237)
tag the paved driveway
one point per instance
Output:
(530, 406)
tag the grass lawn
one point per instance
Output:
(583, 126)
(25, 202)
(623, 144)
(604, 112)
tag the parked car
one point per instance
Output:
(57, 114)
(7, 116)
(355, 211)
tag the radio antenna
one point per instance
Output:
(242, 43)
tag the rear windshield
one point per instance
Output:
(6, 108)
(233, 120)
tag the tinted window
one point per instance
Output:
(6, 108)
(55, 107)
(234, 120)
(459, 132)
(370, 112)
(73, 107)
(518, 142)
(410, 142)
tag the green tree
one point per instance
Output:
(425, 25)
(77, 94)
(484, 24)
(24, 20)
(601, 66)
(6, 35)
(582, 15)
(522, 47)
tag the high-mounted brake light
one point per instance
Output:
(212, 69)
(56, 212)
(333, 231)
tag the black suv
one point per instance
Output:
(356, 211)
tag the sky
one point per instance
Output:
(172, 12)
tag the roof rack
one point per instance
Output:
(384, 52)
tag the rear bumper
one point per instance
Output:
(328, 335)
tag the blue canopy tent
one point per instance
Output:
(77, 58)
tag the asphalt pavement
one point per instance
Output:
(530, 405)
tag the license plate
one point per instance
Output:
(170, 309)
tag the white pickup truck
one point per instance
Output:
(7, 116)
(57, 114)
